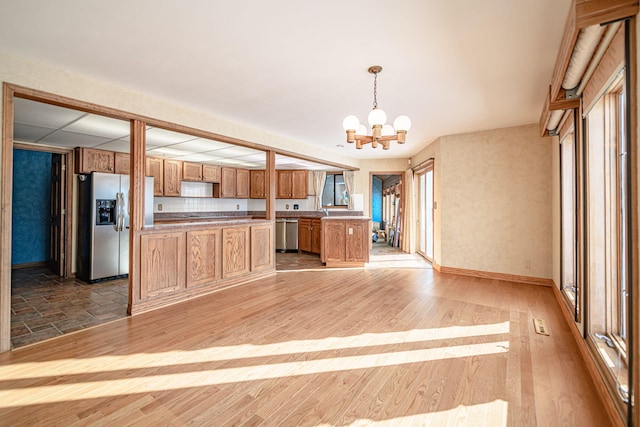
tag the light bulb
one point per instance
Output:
(350, 123)
(387, 130)
(377, 117)
(362, 130)
(402, 123)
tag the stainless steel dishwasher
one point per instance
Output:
(286, 234)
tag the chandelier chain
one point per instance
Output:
(375, 90)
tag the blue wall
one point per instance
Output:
(31, 187)
(376, 200)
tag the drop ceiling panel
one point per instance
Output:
(167, 152)
(200, 145)
(29, 133)
(233, 152)
(160, 137)
(100, 126)
(120, 145)
(44, 115)
(72, 139)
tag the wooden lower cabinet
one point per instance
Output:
(162, 263)
(198, 259)
(345, 241)
(235, 251)
(203, 257)
(262, 253)
(309, 235)
(316, 236)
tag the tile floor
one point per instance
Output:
(44, 306)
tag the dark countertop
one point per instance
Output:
(196, 217)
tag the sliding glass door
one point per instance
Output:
(425, 211)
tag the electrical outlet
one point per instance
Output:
(238, 207)
(286, 206)
(159, 206)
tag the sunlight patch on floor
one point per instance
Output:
(83, 390)
(490, 414)
(233, 352)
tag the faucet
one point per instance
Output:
(326, 211)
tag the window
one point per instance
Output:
(569, 283)
(607, 211)
(334, 192)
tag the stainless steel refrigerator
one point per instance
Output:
(103, 225)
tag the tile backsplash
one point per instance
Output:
(198, 197)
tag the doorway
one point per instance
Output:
(386, 209)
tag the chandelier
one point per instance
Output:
(380, 131)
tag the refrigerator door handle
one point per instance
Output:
(117, 222)
(119, 214)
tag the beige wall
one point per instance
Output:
(493, 194)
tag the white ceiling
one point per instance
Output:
(297, 68)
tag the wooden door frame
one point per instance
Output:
(67, 154)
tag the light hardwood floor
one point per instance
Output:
(324, 347)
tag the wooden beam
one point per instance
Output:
(595, 12)
(562, 103)
(270, 186)
(6, 190)
(136, 218)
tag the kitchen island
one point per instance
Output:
(345, 241)
(183, 259)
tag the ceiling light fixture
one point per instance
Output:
(380, 131)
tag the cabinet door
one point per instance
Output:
(299, 183)
(191, 171)
(228, 182)
(283, 184)
(357, 241)
(172, 177)
(211, 173)
(304, 235)
(123, 163)
(242, 183)
(256, 186)
(155, 168)
(162, 258)
(203, 257)
(235, 252)
(333, 244)
(262, 250)
(316, 235)
(89, 160)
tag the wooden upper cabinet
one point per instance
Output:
(291, 184)
(283, 184)
(210, 173)
(172, 177)
(91, 160)
(242, 183)
(155, 168)
(191, 171)
(123, 163)
(228, 182)
(299, 184)
(257, 184)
